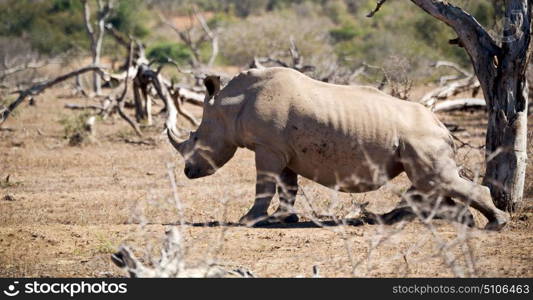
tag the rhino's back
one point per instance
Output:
(282, 100)
(330, 132)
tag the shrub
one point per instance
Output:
(270, 35)
(344, 33)
(129, 17)
(75, 128)
(162, 51)
(53, 27)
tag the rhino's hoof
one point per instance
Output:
(495, 226)
(499, 222)
(292, 218)
(254, 220)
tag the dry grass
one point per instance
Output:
(70, 207)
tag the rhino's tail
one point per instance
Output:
(449, 135)
(464, 171)
(451, 139)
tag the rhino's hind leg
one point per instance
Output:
(435, 205)
(479, 197)
(444, 177)
(269, 167)
(287, 190)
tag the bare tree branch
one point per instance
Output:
(478, 43)
(40, 87)
(449, 64)
(22, 67)
(83, 107)
(186, 37)
(120, 100)
(378, 7)
(212, 35)
(194, 42)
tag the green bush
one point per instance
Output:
(162, 51)
(130, 18)
(65, 5)
(344, 33)
(74, 128)
(53, 27)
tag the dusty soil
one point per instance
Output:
(65, 209)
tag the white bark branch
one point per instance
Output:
(458, 104)
(96, 37)
(449, 90)
(212, 35)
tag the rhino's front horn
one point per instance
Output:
(174, 140)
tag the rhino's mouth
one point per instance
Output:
(193, 173)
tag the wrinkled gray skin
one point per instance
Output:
(350, 138)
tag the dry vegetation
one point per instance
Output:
(64, 210)
(72, 194)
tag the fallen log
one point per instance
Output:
(190, 96)
(450, 90)
(83, 107)
(458, 104)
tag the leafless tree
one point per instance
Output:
(96, 35)
(296, 60)
(194, 38)
(500, 65)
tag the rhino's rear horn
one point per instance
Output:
(212, 84)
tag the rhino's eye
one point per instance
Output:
(193, 136)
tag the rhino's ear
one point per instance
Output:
(212, 84)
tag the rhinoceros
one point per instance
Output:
(350, 138)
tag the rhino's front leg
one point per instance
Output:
(265, 189)
(269, 167)
(287, 190)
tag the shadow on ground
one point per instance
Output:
(395, 216)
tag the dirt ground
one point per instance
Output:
(64, 210)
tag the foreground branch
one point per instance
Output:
(171, 263)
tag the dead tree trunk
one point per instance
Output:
(508, 102)
(96, 37)
(501, 68)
